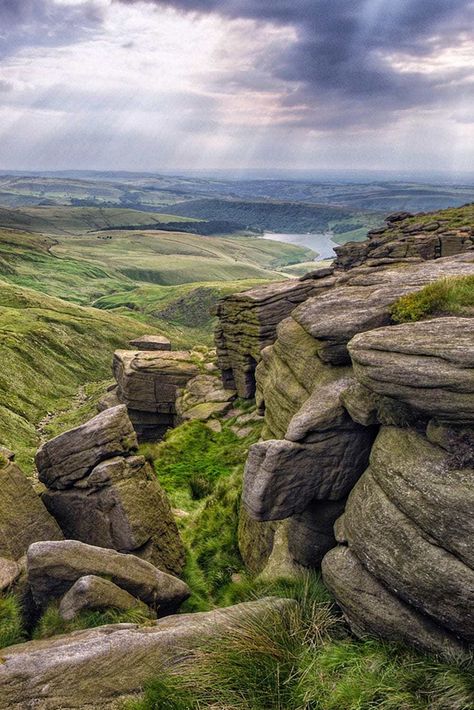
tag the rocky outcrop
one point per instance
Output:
(248, 321)
(428, 366)
(23, 519)
(148, 384)
(98, 667)
(339, 377)
(408, 522)
(96, 593)
(70, 457)
(413, 237)
(103, 494)
(54, 567)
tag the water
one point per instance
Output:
(321, 243)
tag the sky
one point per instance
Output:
(235, 84)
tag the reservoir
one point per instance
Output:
(320, 243)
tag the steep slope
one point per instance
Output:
(48, 348)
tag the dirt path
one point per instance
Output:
(79, 398)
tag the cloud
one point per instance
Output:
(353, 55)
(45, 23)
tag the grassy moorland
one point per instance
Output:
(48, 349)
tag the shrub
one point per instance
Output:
(454, 295)
(11, 622)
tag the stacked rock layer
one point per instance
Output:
(374, 419)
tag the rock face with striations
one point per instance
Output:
(103, 494)
(247, 323)
(148, 384)
(408, 237)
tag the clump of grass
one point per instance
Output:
(51, 623)
(11, 621)
(193, 458)
(304, 659)
(213, 553)
(448, 296)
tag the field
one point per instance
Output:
(70, 294)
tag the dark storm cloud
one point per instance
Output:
(340, 54)
(40, 23)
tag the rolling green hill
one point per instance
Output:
(48, 348)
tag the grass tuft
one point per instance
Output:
(11, 622)
(448, 296)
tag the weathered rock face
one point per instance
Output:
(373, 610)
(71, 456)
(23, 519)
(339, 369)
(409, 237)
(109, 500)
(362, 300)
(95, 593)
(248, 321)
(428, 366)
(53, 568)
(99, 667)
(148, 384)
(408, 521)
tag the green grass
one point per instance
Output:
(304, 659)
(51, 623)
(192, 452)
(11, 622)
(49, 348)
(448, 296)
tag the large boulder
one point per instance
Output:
(99, 667)
(427, 365)
(71, 456)
(283, 477)
(121, 505)
(23, 517)
(53, 568)
(96, 593)
(148, 383)
(321, 457)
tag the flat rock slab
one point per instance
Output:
(71, 456)
(23, 517)
(95, 593)
(96, 668)
(428, 365)
(53, 567)
(151, 342)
